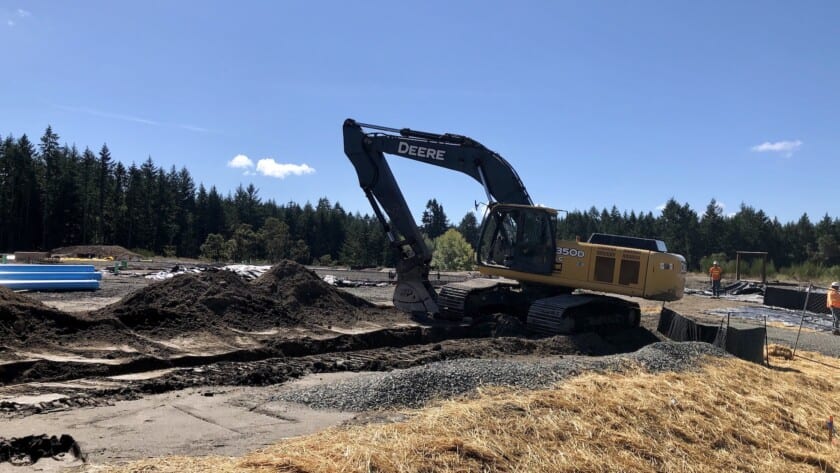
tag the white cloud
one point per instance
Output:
(23, 13)
(10, 22)
(787, 148)
(661, 207)
(240, 161)
(269, 167)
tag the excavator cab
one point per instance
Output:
(519, 238)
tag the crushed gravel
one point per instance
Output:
(415, 387)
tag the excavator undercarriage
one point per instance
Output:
(562, 313)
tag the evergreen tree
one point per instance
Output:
(201, 202)
(434, 221)
(678, 226)
(246, 243)
(275, 239)
(215, 213)
(713, 229)
(185, 210)
(214, 248)
(137, 225)
(336, 230)
(21, 210)
(117, 228)
(353, 250)
(6, 186)
(89, 194)
(300, 252)
(165, 201)
(469, 229)
(106, 211)
(828, 241)
(49, 158)
(321, 228)
(67, 216)
(246, 206)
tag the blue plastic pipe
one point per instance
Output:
(47, 268)
(49, 276)
(56, 285)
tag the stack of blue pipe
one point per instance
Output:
(50, 277)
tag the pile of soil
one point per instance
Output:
(298, 286)
(287, 295)
(23, 319)
(97, 251)
(196, 301)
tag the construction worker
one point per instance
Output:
(832, 301)
(715, 273)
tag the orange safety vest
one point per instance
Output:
(715, 272)
(833, 299)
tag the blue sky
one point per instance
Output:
(594, 103)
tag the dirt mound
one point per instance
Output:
(189, 302)
(287, 295)
(23, 319)
(298, 286)
(97, 251)
(14, 300)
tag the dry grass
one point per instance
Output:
(729, 416)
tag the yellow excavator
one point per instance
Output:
(529, 273)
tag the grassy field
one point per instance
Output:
(730, 415)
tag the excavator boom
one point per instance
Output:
(366, 150)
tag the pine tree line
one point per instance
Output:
(52, 195)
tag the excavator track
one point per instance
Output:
(475, 297)
(546, 316)
(574, 313)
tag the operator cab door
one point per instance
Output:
(519, 238)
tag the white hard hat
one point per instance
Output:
(835, 284)
(714, 262)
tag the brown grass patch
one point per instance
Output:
(730, 415)
(780, 352)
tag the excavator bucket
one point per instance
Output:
(415, 297)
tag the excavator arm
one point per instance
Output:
(366, 150)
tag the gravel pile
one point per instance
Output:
(416, 386)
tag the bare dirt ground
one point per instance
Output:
(192, 365)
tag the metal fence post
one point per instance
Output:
(802, 319)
